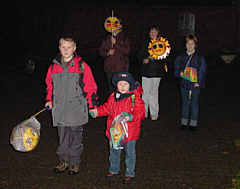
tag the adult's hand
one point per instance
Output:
(111, 52)
(113, 39)
(146, 61)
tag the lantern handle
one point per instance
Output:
(44, 109)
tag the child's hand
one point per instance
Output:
(196, 85)
(181, 73)
(49, 105)
(128, 116)
(93, 113)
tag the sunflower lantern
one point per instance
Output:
(112, 24)
(159, 49)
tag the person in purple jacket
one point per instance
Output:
(190, 68)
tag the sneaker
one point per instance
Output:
(128, 180)
(154, 118)
(61, 167)
(110, 176)
(73, 170)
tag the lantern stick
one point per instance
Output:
(112, 27)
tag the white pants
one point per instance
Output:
(150, 95)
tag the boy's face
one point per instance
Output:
(123, 87)
(153, 33)
(190, 45)
(67, 48)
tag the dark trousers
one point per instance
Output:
(109, 80)
(70, 144)
(190, 104)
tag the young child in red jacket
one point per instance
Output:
(120, 101)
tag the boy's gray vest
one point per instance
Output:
(70, 107)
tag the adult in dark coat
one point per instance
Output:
(115, 50)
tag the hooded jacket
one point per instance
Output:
(112, 108)
(72, 89)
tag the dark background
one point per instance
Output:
(34, 28)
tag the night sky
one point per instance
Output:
(20, 14)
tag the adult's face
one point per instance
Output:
(153, 34)
(190, 45)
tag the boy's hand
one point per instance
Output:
(49, 105)
(93, 113)
(181, 73)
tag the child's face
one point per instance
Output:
(190, 45)
(67, 49)
(153, 33)
(123, 87)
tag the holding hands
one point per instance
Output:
(93, 113)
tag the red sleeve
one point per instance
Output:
(90, 87)
(139, 109)
(123, 48)
(49, 84)
(104, 110)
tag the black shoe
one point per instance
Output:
(128, 180)
(183, 127)
(191, 128)
(61, 168)
(73, 170)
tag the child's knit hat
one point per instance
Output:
(124, 76)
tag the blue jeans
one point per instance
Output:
(190, 104)
(130, 159)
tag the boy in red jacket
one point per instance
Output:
(119, 102)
